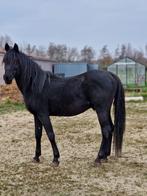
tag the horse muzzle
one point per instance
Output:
(8, 79)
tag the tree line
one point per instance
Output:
(63, 53)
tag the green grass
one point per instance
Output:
(9, 106)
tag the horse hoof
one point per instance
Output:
(97, 163)
(36, 160)
(55, 163)
(104, 160)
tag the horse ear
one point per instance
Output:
(7, 47)
(16, 47)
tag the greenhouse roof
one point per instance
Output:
(126, 61)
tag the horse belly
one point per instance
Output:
(76, 108)
(70, 109)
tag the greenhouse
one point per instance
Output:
(130, 72)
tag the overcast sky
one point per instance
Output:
(75, 23)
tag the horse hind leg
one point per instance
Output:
(110, 136)
(106, 129)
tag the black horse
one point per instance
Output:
(48, 95)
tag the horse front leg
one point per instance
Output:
(38, 135)
(50, 133)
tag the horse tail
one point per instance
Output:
(119, 118)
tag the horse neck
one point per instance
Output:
(20, 84)
(24, 80)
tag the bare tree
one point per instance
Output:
(61, 53)
(51, 52)
(5, 39)
(129, 52)
(105, 58)
(146, 50)
(138, 55)
(41, 51)
(87, 54)
(28, 49)
(117, 53)
(73, 55)
(123, 51)
(57, 52)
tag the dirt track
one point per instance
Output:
(78, 140)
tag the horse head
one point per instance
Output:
(11, 63)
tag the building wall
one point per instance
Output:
(1, 69)
(46, 65)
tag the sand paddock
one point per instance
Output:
(78, 139)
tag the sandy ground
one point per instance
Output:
(78, 140)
